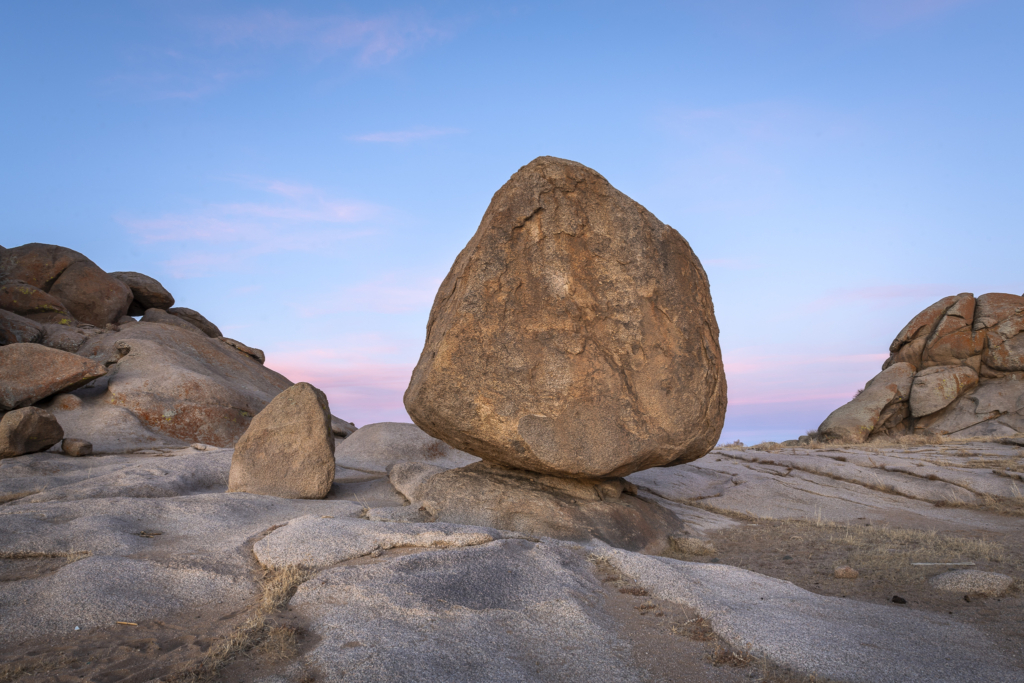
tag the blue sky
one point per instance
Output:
(305, 173)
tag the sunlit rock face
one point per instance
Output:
(574, 335)
(961, 368)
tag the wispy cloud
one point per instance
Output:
(289, 218)
(400, 136)
(373, 40)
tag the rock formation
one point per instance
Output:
(574, 335)
(957, 368)
(67, 346)
(288, 450)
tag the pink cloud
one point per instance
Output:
(882, 293)
(359, 389)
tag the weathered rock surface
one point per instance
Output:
(76, 447)
(67, 337)
(146, 292)
(936, 387)
(967, 356)
(183, 385)
(31, 372)
(170, 550)
(255, 354)
(574, 335)
(972, 581)
(15, 329)
(288, 449)
(37, 264)
(487, 495)
(28, 430)
(882, 403)
(158, 315)
(194, 317)
(33, 303)
(376, 446)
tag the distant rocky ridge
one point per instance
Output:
(957, 368)
(69, 345)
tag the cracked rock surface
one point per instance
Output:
(152, 560)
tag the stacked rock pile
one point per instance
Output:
(957, 368)
(71, 348)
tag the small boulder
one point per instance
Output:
(76, 447)
(846, 573)
(208, 328)
(146, 292)
(64, 337)
(32, 303)
(288, 449)
(158, 315)
(16, 329)
(972, 581)
(574, 335)
(38, 264)
(28, 430)
(31, 372)
(255, 354)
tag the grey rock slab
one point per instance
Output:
(974, 581)
(509, 611)
(183, 473)
(97, 591)
(376, 446)
(318, 542)
(834, 638)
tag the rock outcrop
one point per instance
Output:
(288, 450)
(964, 357)
(574, 335)
(172, 379)
(31, 372)
(28, 430)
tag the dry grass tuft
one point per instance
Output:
(70, 555)
(33, 667)
(8, 497)
(256, 637)
(689, 546)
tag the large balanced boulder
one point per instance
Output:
(28, 430)
(964, 360)
(146, 292)
(288, 450)
(574, 335)
(31, 372)
(158, 315)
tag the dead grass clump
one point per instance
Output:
(256, 637)
(698, 629)
(687, 545)
(8, 497)
(768, 447)
(32, 667)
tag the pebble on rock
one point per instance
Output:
(898, 600)
(846, 573)
(76, 447)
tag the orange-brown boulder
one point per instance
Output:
(574, 335)
(91, 295)
(15, 329)
(28, 430)
(288, 450)
(33, 303)
(31, 372)
(147, 292)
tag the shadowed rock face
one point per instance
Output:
(28, 430)
(146, 292)
(965, 358)
(574, 335)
